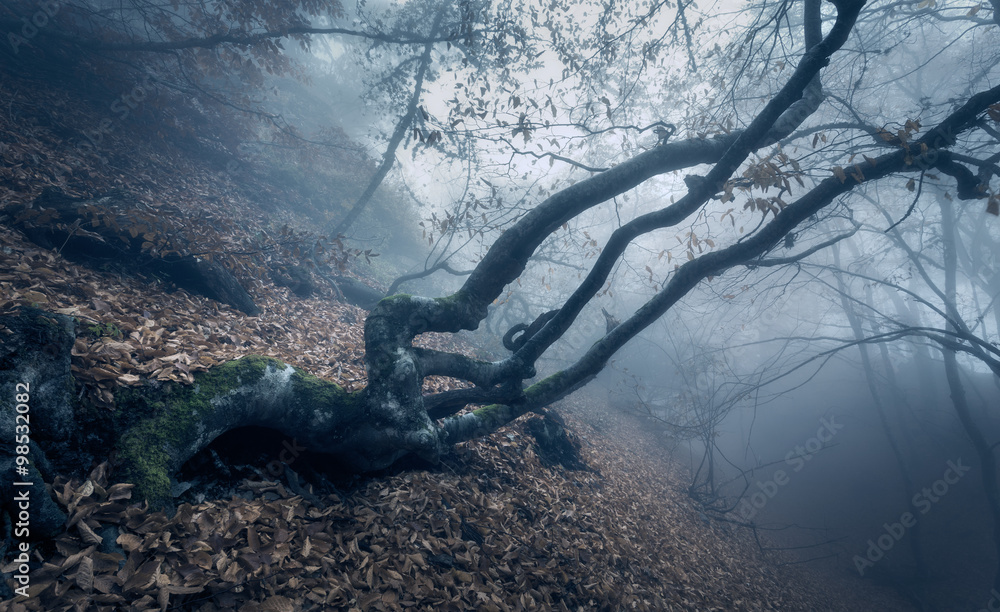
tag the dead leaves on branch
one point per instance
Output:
(773, 171)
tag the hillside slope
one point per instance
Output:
(491, 528)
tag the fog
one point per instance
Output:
(800, 448)
(761, 364)
(766, 231)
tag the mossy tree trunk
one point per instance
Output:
(373, 428)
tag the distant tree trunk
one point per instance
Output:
(909, 489)
(402, 127)
(921, 354)
(984, 450)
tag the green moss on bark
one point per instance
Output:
(488, 413)
(172, 422)
(450, 301)
(546, 386)
(312, 391)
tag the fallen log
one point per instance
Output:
(74, 228)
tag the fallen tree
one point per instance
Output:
(107, 229)
(391, 418)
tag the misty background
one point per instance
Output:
(819, 394)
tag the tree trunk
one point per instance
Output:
(909, 489)
(36, 402)
(984, 450)
(402, 127)
(155, 428)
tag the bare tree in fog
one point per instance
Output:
(958, 335)
(692, 382)
(923, 283)
(871, 378)
(746, 125)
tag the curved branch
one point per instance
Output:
(716, 262)
(508, 256)
(552, 156)
(967, 183)
(480, 373)
(441, 405)
(394, 287)
(781, 261)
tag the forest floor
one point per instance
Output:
(490, 528)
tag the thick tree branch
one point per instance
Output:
(967, 183)
(700, 190)
(508, 256)
(782, 261)
(480, 373)
(717, 262)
